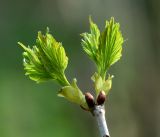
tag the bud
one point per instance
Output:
(89, 99)
(101, 98)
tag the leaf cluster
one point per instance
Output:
(104, 48)
(47, 60)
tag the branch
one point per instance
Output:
(99, 114)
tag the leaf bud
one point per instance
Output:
(90, 100)
(101, 98)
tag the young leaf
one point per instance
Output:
(103, 48)
(110, 47)
(46, 60)
(90, 41)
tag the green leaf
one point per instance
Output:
(103, 48)
(73, 94)
(46, 60)
(90, 41)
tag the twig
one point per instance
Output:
(99, 114)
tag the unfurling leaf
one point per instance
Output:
(46, 60)
(90, 41)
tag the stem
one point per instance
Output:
(63, 80)
(99, 113)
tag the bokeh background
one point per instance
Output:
(28, 109)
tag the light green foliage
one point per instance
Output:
(103, 48)
(90, 42)
(46, 60)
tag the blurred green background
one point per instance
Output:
(28, 109)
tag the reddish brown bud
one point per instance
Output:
(89, 99)
(101, 98)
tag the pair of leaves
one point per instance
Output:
(103, 48)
